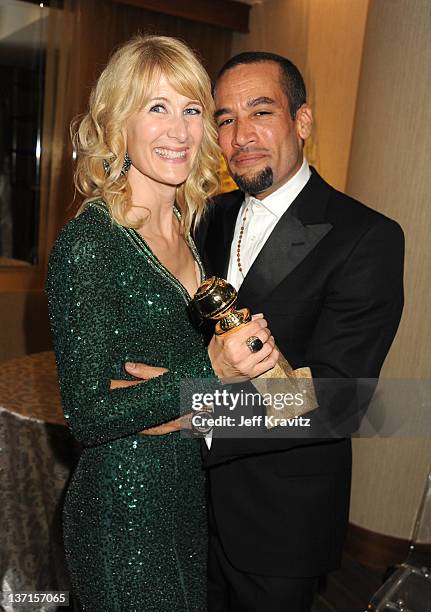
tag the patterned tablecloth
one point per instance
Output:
(37, 455)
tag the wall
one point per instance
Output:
(24, 325)
(389, 169)
(76, 53)
(324, 39)
(369, 88)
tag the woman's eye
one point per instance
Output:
(193, 111)
(157, 108)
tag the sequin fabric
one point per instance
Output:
(134, 516)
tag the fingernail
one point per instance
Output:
(130, 365)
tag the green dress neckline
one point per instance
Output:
(143, 247)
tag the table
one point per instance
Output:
(37, 456)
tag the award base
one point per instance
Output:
(297, 385)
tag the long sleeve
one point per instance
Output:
(354, 331)
(83, 300)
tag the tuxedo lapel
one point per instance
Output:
(296, 234)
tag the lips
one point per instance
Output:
(170, 153)
(247, 159)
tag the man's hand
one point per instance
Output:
(232, 359)
(230, 356)
(183, 422)
(138, 370)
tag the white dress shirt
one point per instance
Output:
(262, 217)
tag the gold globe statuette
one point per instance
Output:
(216, 299)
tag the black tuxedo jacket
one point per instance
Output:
(329, 280)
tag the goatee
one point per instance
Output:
(256, 184)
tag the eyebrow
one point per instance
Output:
(167, 100)
(261, 100)
(250, 104)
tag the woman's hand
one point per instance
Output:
(231, 358)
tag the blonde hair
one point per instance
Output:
(124, 87)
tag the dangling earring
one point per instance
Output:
(126, 164)
(125, 168)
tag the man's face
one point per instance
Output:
(261, 142)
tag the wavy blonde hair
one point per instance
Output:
(124, 87)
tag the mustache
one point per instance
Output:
(247, 150)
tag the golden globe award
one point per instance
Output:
(216, 299)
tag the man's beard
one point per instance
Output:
(256, 184)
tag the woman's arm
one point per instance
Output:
(82, 305)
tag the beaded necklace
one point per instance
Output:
(238, 248)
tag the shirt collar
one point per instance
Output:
(278, 202)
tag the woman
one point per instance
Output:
(120, 277)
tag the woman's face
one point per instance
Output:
(163, 138)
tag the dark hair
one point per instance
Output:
(291, 79)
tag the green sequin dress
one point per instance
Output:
(134, 516)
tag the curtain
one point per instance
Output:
(82, 36)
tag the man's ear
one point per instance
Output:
(304, 121)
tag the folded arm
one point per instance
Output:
(82, 304)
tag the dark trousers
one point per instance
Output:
(230, 590)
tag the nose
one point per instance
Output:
(243, 133)
(178, 128)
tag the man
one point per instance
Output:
(327, 273)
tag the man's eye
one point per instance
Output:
(193, 111)
(157, 108)
(260, 113)
(224, 122)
